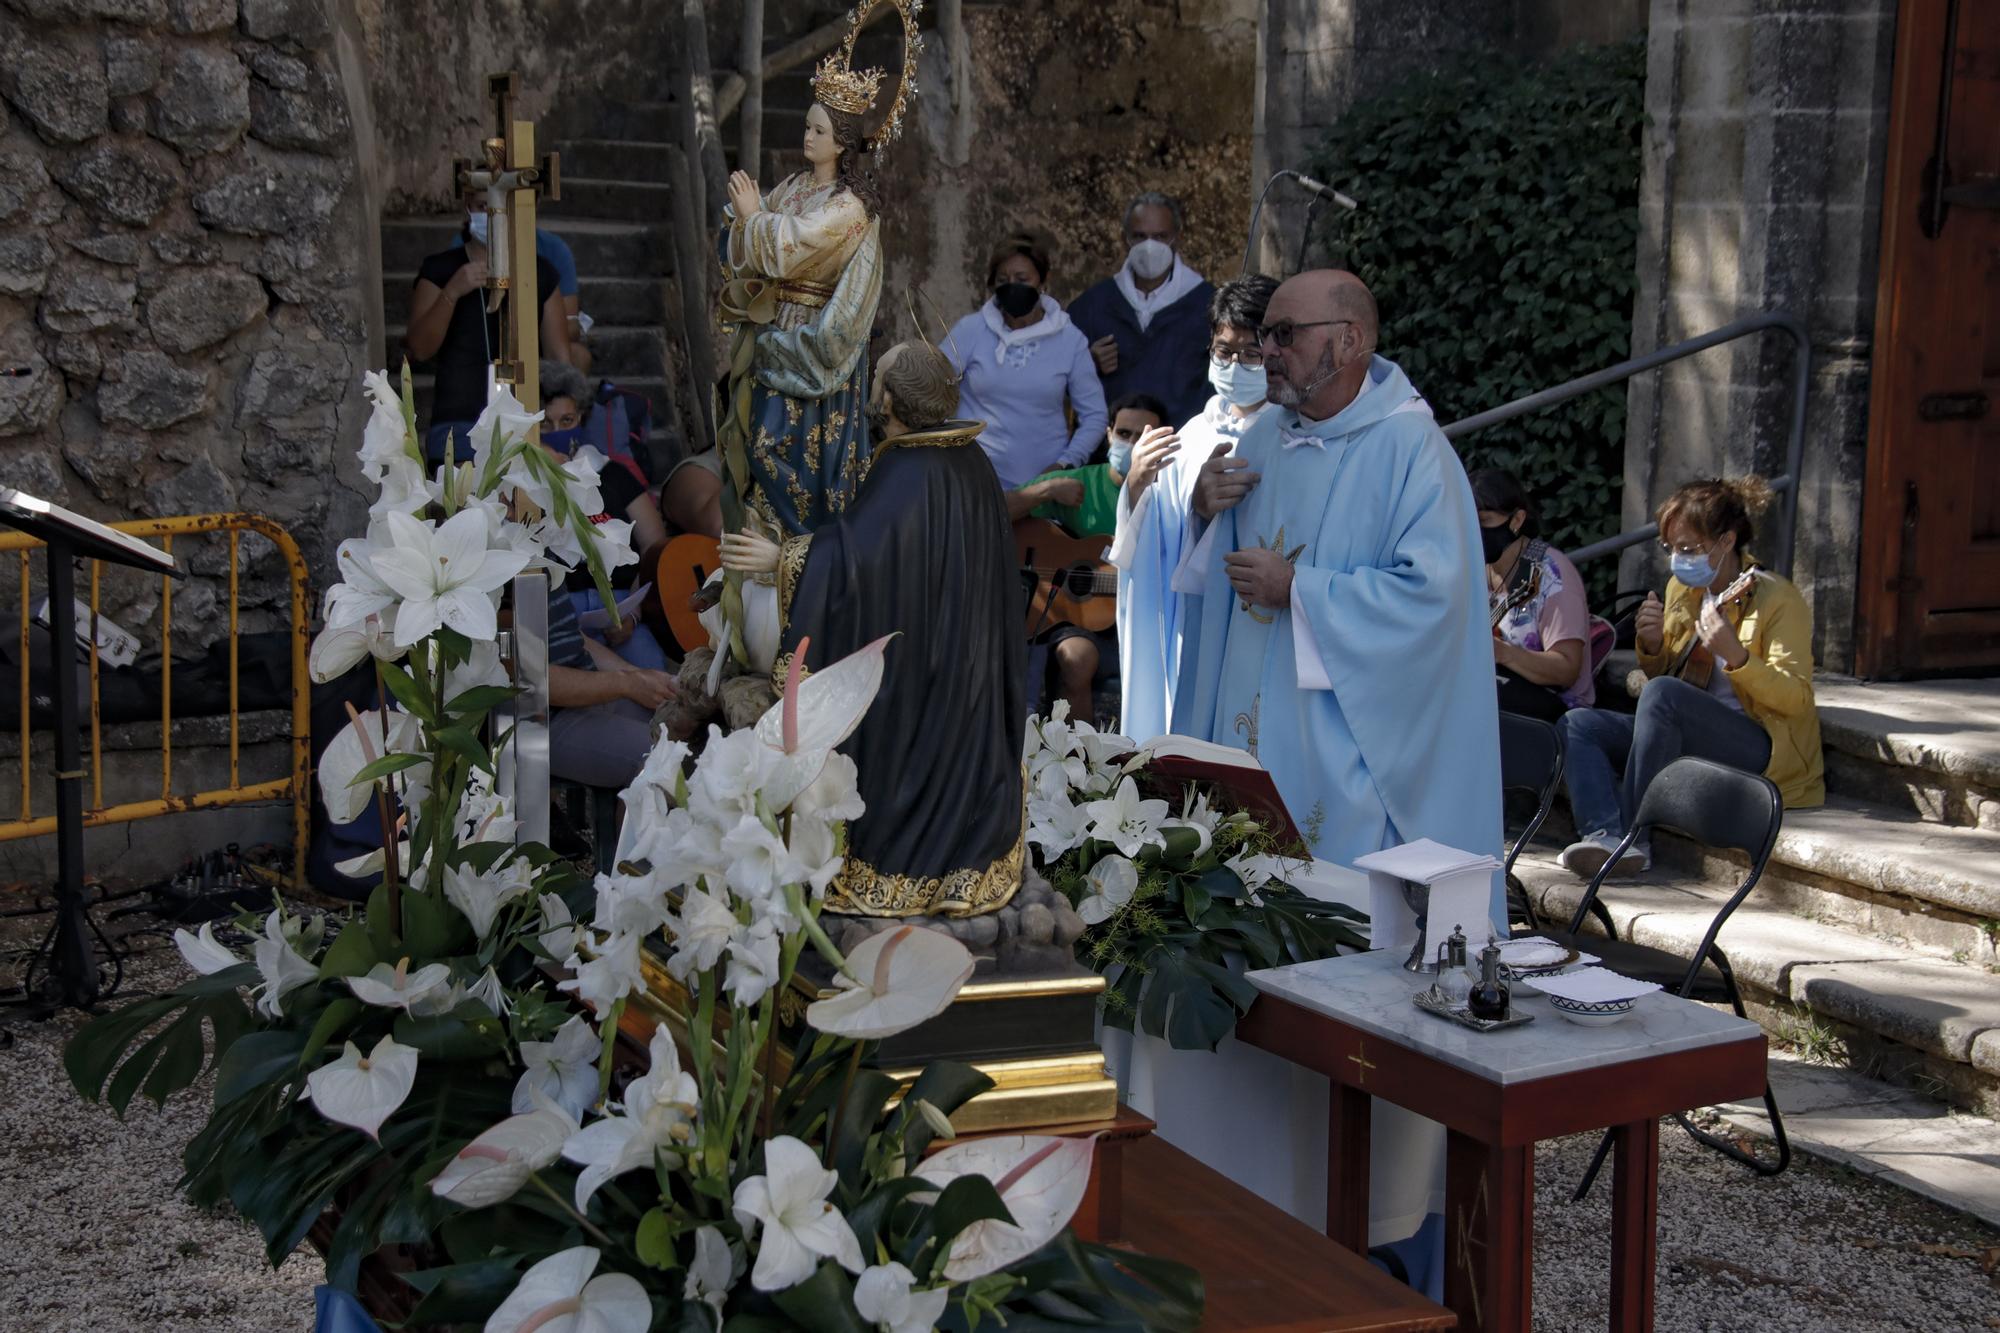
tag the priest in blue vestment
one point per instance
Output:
(1333, 613)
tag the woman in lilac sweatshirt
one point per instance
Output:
(1023, 363)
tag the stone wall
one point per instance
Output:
(1762, 189)
(181, 277)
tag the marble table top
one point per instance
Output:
(1371, 993)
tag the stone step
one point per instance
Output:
(618, 352)
(1931, 748)
(614, 159)
(602, 249)
(1890, 1011)
(615, 199)
(645, 122)
(609, 301)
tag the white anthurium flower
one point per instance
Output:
(363, 1091)
(701, 930)
(835, 795)
(884, 1297)
(658, 1121)
(362, 741)
(559, 1295)
(713, 1271)
(1127, 822)
(798, 1226)
(480, 896)
(564, 1070)
(492, 1167)
(609, 977)
(908, 975)
(753, 961)
(816, 714)
(202, 953)
(814, 849)
(445, 575)
(1040, 1179)
(282, 969)
(1113, 881)
(397, 987)
(558, 934)
(489, 992)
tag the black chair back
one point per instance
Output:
(1531, 760)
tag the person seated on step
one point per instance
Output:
(601, 706)
(566, 427)
(1729, 661)
(1084, 502)
(576, 324)
(1541, 622)
(451, 327)
(691, 496)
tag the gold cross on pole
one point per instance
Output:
(512, 180)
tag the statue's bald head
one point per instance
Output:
(920, 383)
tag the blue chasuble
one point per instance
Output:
(1370, 699)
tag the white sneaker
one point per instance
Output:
(1586, 856)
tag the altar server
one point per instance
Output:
(1336, 627)
(1153, 506)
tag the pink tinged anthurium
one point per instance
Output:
(366, 738)
(559, 1295)
(497, 1163)
(796, 1225)
(825, 708)
(363, 1091)
(1041, 1180)
(908, 975)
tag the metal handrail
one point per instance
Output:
(1787, 485)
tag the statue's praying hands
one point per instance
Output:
(749, 552)
(744, 196)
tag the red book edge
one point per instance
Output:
(1251, 788)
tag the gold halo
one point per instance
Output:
(843, 88)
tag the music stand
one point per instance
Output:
(67, 537)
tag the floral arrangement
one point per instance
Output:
(1180, 897)
(437, 1086)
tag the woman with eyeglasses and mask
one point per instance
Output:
(1153, 505)
(1025, 368)
(1541, 622)
(1729, 661)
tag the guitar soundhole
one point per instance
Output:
(1080, 581)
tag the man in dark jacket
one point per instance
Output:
(1148, 322)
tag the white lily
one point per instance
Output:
(798, 1225)
(630, 904)
(701, 930)
(504, 423)
(884, 1297)
(281, 967)
(658, 1121)
(1126, 821)
(1256, 869)
(363, 1091)
(446, 575)
(814, 851)
(910, 974)
(481, 895)
(202, 953)
(1041, 1180)
(558, 934)
(563, 1070)
(760, 864)
(1057, 826)
(397, 987)
(1101, 747)
(559, 1295)
(753, 961)
(489, 992)
(1113, 881)
(495, 1165)
(712, 1272)
(1197, 815)
(608, 977)
(366, 738)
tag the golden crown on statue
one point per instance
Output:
(841, 87)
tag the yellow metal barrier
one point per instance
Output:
(293, 787)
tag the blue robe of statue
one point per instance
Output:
(1370, 699)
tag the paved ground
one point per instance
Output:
(97, 1241)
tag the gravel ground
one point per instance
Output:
(100, 1242)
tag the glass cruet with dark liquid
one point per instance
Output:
(1488, 999)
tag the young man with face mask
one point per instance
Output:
(1148, 323)
(1153, 505)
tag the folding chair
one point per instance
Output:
(1717, 806)
(1531, 760)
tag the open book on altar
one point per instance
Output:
(1235, 772)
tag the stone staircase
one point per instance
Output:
(1871, 938)
(613, 214)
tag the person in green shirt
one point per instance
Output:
(1084, 502)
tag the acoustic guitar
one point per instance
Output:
(1696, 664)
(1073, 584)
(1513, 599)
(683, 567)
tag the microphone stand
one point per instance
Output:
(1318, 189)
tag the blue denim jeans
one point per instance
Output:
(1674, 719)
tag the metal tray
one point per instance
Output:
(1431, 1003)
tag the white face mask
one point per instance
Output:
(1239, 385)
(1151, 259)
(476, 224)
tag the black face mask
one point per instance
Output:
(1495, 540)
(1016, 299)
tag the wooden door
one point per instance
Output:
(1930, 565)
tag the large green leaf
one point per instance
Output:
(258, 1060)
(461, 1293)
(824, 1302)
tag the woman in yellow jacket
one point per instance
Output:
(1755, 710)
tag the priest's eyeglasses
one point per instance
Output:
(1284, 330)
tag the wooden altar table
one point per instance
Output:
(1497, 1094)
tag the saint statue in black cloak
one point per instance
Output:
(924, 551)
